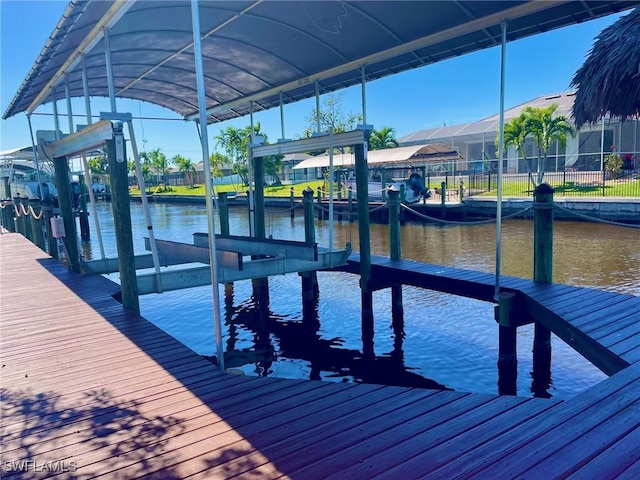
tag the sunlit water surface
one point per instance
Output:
(447, 339)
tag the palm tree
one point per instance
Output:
(515, 134)
(234, 142)
(216, 162)
(540, 123)
(185, 166)
(158, 161)
(383, 138)
(545, 129)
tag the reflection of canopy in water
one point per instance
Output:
(402, 156)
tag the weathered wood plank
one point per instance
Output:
(587, 443)
(290, 439)
(560, 303)
(499, 453)
(447, 441)
(144, 405)
(553, 292)
(610, 305)
(612, 462)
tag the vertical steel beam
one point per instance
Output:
(317, 107)
(109, 65)
(252, 206)
(281, 118)
(56, 119)
(85, 91)
(503, 63)
(202, 110)
(145, 205)
(35, 156)
(331, 174)
(85, 163)
(364, 95)
(67, 94)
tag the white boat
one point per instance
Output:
(414, 188)
(18, 167)
(24, 183)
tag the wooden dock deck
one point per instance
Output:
(90, 389)
(602, 326)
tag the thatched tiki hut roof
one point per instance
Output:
(609, 79)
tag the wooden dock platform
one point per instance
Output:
(90, 389)
(602, 326)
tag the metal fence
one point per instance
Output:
(567, 184)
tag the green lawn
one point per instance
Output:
(270, 191)
(509, 189)
(612, 189)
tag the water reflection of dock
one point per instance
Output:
(301, 340)
(88, 381)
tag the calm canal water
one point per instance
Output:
(448, 340)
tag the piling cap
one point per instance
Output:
(393, 188)
(308, 189)
(544, 188)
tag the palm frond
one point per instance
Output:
(609, 80)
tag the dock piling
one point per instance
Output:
(19, 218)
(118, 173)
(7, 187)
(223, 213)
(36, 224)
(66, 211)
(397, 308)
(292, 201)
(83, 213)
(260, 285)
(310, 289)
(364, 232)
(542, 272)
(9, 215)
(28, 224)
(507, 347)
(47, 215)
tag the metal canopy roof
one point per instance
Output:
(259, 50)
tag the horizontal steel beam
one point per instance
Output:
(110, 265)
(88, 138)
(195, 253)
(345, 139)
(199, 276)
(260, 246)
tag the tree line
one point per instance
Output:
(539, 123)
(234, 142)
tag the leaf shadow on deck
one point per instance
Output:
(252, 427)
(40, 429)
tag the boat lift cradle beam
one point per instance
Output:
(110, 265)
(234, 266)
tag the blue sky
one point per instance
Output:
(459, 90)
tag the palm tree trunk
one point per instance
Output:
(541, 164)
